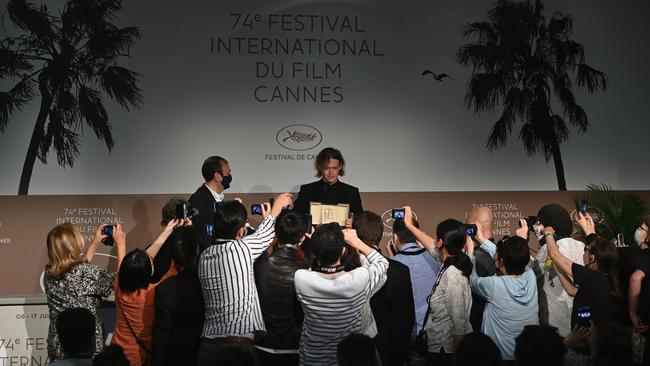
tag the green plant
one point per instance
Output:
(621, 211)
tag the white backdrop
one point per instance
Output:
(398, 130)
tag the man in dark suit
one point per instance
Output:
(392, 306)
(179, 306)
(330, 165)
(216, 172)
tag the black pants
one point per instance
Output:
(440, 359)
(273, 359)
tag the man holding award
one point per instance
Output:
(328, 199)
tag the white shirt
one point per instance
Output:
(559, 302)
(333, 305)
(217, 196)
(232, 306)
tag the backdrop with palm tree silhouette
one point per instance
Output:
(421, 131)
(520, 59)
(67, 60)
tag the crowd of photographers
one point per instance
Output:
(219, 292)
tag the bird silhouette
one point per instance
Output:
(438, 77)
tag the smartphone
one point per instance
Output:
(398, 213)
(256, 209)
(584, 316)
(107, 230)
(185, 211)
(209, 229)
(471, 229)
(531, 220)
(581, 206)
(393, 249)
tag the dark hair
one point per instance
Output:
(612, 345)
(327, 242)
(169, 210)
(606, 256)
(558, 217)
(357, 350)
(135, 271)
(403, 234)
(539, 345)
(112, 355)
(76, 330)
(290, 227)
(369, 227)
(477, 348)
(182, 245)
(229, 218)
(514, 252)
(454, 237)
(211, 165)
(324, 157)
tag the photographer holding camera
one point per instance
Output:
(332, 298)
(72, 282)
(232, 305)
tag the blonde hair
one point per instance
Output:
(64, 246)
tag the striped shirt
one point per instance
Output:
(232, 306)
(332, 307)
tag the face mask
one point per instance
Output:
(637, 236)
(537, 229)
(225, 182)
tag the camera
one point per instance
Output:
(584, 316)
(108, 240)
(471, 229)
(185, 211)
(107, 230)
(256, 209)
(398, 213)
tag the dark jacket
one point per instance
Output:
(204, 201)
(322, 192)
(281, 310)
(178, 322)
(394, 312)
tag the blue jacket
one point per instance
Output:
(511, 305)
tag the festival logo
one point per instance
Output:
(299, 137)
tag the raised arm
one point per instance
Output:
(377, 266)
(422, 237)
(120, 244)
(562, 264)
(259, 241)
(154, 248)
(94, 244)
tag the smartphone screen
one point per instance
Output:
(107, 230)
(256, 209)
(471, 230)
(584, 316)
(398, 213)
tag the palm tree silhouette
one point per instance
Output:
(68, 59)
(519, 59)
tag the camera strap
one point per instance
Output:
(416, 252)
(327, 269)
